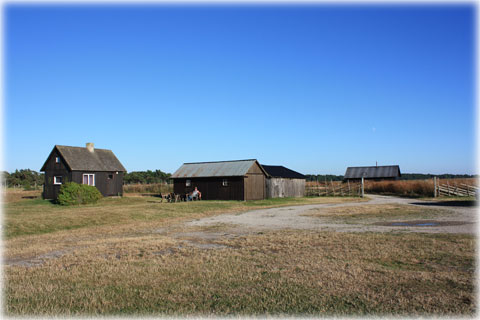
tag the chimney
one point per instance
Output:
(90, 146)
(376, 162)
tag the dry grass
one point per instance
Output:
(404, 188)
(133, 256)
(369, 212)
(155, 188)
(411, 188)
(15, 195)
(39, 216)
(275, 273)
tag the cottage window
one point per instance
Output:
(110, 176)
(225, 182)
(57, 159)
(89, 178)
(188, 183)
(57, 180)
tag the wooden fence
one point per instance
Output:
(452, 188)
(333, 188)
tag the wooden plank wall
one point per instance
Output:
(283, 187)
(255, 183)
(55, 169)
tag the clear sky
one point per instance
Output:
(315, 88)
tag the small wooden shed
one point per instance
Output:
(222, 180)
(95, 167)
(282, 182)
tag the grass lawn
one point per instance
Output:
(130, 256)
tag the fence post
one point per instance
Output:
(326, 186)
(362, 188)
(434, 187)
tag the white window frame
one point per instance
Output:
(55, 179)
(88, 179)
(225, 182)
(188, 183)
(57, 159)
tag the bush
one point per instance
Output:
(72, 193)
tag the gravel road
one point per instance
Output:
(454, 217)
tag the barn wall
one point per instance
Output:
(50, 190)
(212, 188)
(283, 187)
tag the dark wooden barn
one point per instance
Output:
(377, 173)
(96, 167)
(222, 180)
(282, 182)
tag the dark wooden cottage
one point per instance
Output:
(95, 167)
(282, 182)
(376, 173)
(222, 180)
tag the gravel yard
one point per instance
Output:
(461, 215)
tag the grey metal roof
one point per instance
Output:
(372, 172)
(78, 158)
(214, 169)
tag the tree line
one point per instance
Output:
(146, 177)
(28, 179)
(23, 178)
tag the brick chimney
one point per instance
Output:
(90, 146)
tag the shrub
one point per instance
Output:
(72, 193)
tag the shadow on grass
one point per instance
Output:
(455, 203)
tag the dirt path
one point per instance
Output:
(452, 218)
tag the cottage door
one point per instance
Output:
(111, 184)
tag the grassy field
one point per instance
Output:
(134, 256)
(368, 212)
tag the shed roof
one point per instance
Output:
(215, 169)
(78, 158)
(282, 172)
(373, 172)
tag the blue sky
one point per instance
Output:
(315, 88)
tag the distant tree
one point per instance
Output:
(24, 177)
(146, 177)
(322, 177)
